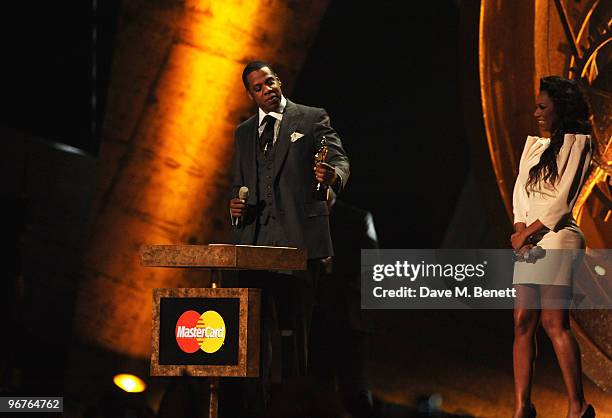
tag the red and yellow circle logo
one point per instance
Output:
(194, 331)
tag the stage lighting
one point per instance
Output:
(130, 383)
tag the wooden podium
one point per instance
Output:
(216, 258)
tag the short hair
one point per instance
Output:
(254, 66)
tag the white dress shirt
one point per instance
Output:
(276, 115)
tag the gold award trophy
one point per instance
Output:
(321, 190)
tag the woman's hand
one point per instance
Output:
(518, 239)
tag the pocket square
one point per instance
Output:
(295, 136)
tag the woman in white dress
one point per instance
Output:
(551, 172)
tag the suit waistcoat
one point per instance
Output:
(265, 185)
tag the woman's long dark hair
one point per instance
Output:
(571, 115)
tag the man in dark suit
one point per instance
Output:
(274, 158)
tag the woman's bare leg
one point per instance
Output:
(524, 348)
(556, 323)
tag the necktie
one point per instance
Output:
(266, 140)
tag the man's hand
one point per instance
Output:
(325, 173)
(518, 239)
(237, 207)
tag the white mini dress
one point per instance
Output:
(561, 238)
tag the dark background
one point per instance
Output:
(55, 68)
(389, 76)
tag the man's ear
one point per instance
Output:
(250, 95)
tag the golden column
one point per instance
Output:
(174, 99)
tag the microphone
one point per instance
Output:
(243, 194)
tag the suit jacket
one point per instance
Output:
(303, 218)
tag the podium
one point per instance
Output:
(189, 342)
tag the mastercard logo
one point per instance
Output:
(204, 332)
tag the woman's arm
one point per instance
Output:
(520, 236)
(519, 226)
(573, 164)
